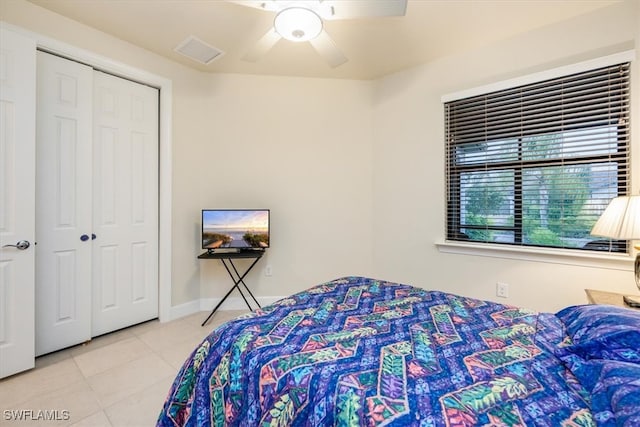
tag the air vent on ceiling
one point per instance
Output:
(194, 48)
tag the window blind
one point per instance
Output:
(537, 164)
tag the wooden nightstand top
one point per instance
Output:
(603, 297)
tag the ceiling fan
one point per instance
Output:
(302, 20)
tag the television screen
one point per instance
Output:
(235, 229)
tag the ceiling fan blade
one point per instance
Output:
(352, 9)
(326, 47)
(269, 5)
(263, 46)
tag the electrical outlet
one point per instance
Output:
(268, 271)
(502, 290)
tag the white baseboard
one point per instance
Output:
(207, 304)
(182, 310)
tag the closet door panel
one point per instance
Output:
(125, 263)
(63, 203)
(17, 201)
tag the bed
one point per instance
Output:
(359, 351)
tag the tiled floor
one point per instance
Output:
(119, 379)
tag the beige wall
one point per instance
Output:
(188, 98)
(352, 171)
(301, 147)
(409, 168)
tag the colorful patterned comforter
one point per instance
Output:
(358, 351)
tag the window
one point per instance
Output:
(536, 165)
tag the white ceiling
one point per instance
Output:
(375, 46)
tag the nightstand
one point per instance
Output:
(602, 297)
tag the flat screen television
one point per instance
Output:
(239, 229)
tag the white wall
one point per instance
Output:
(409, 187)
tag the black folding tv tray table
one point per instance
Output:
(227, 260)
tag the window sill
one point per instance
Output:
(554, 256)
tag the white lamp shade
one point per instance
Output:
(298, 24)
(620, 220)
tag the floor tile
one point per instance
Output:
(223, 316)
(176, 354)
(171, 334)
(176, 343)
(51, 358)
(124, 380)
(142, 408)
(60, 407)
(110, 356)
(149, 326)
(101, 341)
(28, 385)
(119, 379)
(195, 319)
(99, 419)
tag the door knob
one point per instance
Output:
(84, 237)
(22, 245)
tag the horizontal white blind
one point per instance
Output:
(537, 164)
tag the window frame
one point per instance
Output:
(454, 172)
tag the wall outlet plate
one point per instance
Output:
(502, 290)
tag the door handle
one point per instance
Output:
(22, 245)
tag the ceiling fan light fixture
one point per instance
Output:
(298, 24)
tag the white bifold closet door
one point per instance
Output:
(96, 203)
(125, 203)
(63, 203)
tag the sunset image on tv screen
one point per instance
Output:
(235, 229)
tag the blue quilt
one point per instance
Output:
(357, 351)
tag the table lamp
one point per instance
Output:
(621, 221)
